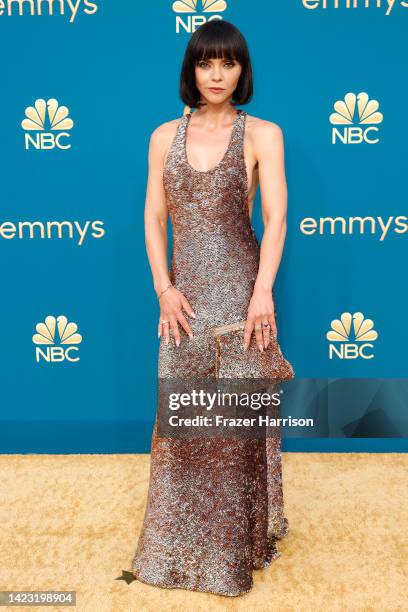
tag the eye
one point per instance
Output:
(202, 64)
(230, 64)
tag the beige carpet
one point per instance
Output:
(71, 522)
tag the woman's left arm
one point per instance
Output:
(269, 149)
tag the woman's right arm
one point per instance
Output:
(156, 219)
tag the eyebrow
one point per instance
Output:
(221, 59)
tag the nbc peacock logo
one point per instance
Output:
(56, 340)
(47, 125)
(351, 337)
(193, 13)
(352, 113)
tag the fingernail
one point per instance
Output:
(178, 342)
(260, 347)
(192, 314)
(167, 340)
(158, 335)
(191, 335)
(245, 348)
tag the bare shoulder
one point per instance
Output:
(262, 132)
(164, 133)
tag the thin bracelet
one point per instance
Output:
(161, 293)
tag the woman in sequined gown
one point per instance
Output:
(214, 507)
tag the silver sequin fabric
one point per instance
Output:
(214, 506)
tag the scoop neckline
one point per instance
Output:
(234, 123)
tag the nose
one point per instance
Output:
(216, 75)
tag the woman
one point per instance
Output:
(215, 507)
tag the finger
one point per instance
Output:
(248, 329)
(266, 331)
(175, 330)
(273, 329)
(258, 333)
(165, 328)
(187, 307)
(184, 323)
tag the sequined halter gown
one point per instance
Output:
(214, 507)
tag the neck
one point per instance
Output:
(216, 113)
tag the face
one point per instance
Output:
(216, 79)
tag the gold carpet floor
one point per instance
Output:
(70, 522)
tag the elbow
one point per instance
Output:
(277, 223)
(154, 221)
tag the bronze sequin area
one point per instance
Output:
(214, 506)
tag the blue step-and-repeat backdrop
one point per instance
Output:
(83, 85)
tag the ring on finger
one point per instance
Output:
(164, 321)
(258, 326)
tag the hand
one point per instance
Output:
(171, 303)
(261, 310)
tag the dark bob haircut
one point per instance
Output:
(216, 39)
